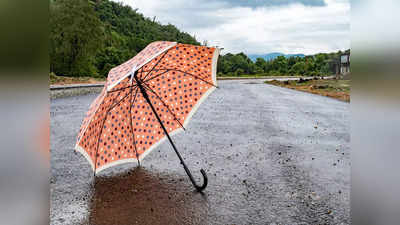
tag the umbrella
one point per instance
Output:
(145, 101)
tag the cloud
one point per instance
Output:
(263, 3)
(288, 26)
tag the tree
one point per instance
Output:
(310, 65)
(90, 37)
(262, 64)
(291, 61)
(298, 69)
(76, 34)
(258, 70)
(280, 64)
(110, 57)
(239, 72)
(320, 61)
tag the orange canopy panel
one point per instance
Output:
(120, 125)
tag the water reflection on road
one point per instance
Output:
(146, 197)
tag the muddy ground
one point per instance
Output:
(272, 155)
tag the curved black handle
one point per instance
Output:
(205, 178)
(205, 182)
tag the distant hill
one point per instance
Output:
(271, 56)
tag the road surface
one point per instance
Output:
(272, 155)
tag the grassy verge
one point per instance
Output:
(339, 89)
(60, 80)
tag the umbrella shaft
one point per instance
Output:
(146, 96)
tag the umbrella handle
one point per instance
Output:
(205, 181)
(205, 178)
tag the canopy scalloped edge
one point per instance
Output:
(80, 149)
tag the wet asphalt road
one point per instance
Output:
(272, 155)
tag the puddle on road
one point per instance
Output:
(146, 197)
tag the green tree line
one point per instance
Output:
(314, 65)
(88, 38)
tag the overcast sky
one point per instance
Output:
(257, 26)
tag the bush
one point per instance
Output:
(239, 72)
(274, 73)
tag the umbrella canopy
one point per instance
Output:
(144, 101)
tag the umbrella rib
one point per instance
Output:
(141, 68)
(140, 72)
(113, 106)
(157, 69)
(197, 77)
(151, 78)
(101, 131)
(165, 53)
(158, 75)
(104, 120)
(166, 106)
(120, 89)
(130, 118)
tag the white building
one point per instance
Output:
(345, 64)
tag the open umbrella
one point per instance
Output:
(145, 101)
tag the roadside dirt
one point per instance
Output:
(339, 89)
(63, 80)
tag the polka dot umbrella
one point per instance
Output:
(145, 101)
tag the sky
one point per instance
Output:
(257, 26)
